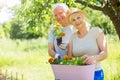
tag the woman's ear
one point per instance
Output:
(68, 12)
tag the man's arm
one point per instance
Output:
(51, 49)
(70, 48)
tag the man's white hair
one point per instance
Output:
(62, 5)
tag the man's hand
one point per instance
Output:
(57, 56)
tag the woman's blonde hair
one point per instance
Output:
(76, 10)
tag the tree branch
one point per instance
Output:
(114, 2)
(89, 5)
(116, 6)
(44, 6)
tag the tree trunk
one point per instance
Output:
(114, 18)
(116, 23)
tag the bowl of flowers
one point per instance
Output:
(71, 68)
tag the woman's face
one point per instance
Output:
(77, 20)
(60, 15)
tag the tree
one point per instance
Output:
(35, 17)
(111, 8)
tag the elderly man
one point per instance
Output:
(60, 11)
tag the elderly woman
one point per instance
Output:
(88, 43)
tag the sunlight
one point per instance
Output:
(5, 12)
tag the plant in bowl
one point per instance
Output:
(71, 68)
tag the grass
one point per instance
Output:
(111, 64)
(29, 58)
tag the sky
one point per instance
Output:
(5, 13)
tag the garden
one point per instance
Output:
(24, 37)
(28, 59)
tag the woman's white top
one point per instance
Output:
(87, 45)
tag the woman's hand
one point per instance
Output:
(89, 59)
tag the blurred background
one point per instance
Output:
(24, 29)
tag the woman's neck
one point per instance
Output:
(83, 31)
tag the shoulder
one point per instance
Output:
(96, 29)
(68, 29)
(74, 35)
(71, 27)
(52, 26)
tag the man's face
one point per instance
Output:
(60, 15)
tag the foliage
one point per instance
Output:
(33, 18)
(16, 30)
(98, 19)
(1, 32)
(36, 17)
(67, 60)
(5, 29)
